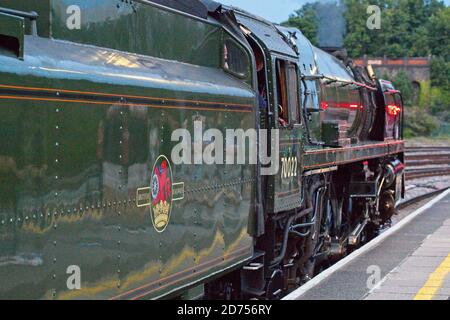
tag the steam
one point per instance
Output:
(331, 23)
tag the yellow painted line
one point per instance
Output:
(435, 281)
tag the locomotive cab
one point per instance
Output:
(279, 107)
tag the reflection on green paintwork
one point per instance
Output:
(80, 134)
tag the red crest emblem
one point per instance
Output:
(161, 193)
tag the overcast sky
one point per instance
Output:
(273, 10)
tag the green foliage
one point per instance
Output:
(424, 97)
(418, 122)
(409, 28)
(440, 102)
(402, 83)
(440, 72)
(439, 34)
(440, 91)
(305, 19)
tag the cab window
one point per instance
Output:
(293, 96)
(235, 59)
(287, 90)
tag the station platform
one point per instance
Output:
(409, 261)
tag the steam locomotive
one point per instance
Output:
(92, 205)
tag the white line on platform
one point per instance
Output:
(294, 295)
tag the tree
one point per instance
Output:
(357, 39)
(419, 123)
(406, 28)
(402, 83)
(440, 72)
(440, 91)
(409, 28)
(305, 19)
(439, 33)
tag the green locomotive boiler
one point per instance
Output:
(92, 203)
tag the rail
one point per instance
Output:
(427, 161)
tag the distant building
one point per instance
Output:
(417, 69)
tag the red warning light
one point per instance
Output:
(345, 105)
(393, 110)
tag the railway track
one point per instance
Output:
(419, 198)
(422, 162)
